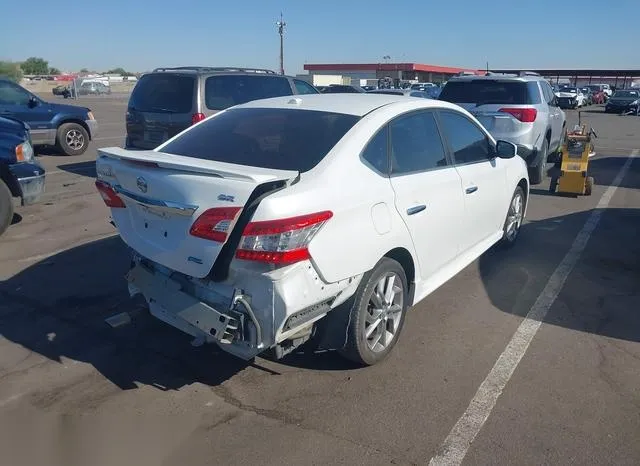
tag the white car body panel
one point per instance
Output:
(369, 220)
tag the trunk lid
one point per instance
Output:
(164, 195)
(501, 125)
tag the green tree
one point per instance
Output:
(11, 70)
(54, 71)
(120, 71)
(84, 70)
(35, 65)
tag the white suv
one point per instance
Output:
(317, 217)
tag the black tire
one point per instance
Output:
(588, 186)
(6, 207)
(72, 139)
(537, 173)
(509, 237)
(358, 347)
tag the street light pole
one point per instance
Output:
(281, 24)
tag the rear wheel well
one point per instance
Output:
(403, 257)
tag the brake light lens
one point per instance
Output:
(525, 115)
(196, 117)
(215, 224)
(283, 241)
(109, 196)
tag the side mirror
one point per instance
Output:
(506, 150)
(33, 102)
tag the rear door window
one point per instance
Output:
(164, 93)
(277, 138)
(489, 91)
(224, 91)
(468, 143)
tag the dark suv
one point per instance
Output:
(169, 100)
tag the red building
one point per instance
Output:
(403, 71)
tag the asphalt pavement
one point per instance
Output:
(528, 356)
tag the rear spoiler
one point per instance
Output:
(194, 165)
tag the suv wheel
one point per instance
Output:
(536, 174)
(72, 139)
(6, 207)
(377, 313)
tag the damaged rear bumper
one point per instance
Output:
(245, 316)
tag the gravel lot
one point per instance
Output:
(73, 391)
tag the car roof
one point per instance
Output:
(351, 104)
(497, 77)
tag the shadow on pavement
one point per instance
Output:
(605, 168)
(87, 169)
(57, 308)
(601, 295)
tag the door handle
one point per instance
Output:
(471, 189)
(416, 209)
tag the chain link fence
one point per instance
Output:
(81, 88)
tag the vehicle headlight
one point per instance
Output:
(635, 102)
(24, 152)
(90, 115)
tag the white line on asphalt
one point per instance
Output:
(457, 443)
(6, 401)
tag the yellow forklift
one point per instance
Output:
(571, 174)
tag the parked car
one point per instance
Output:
(588, 95)
(68, 127)
(366, 203)
(597, 94)
(93, 88)
(62, 91)
(607, 89)
(404, 92)
(342, 89)
(169, 100)
(519, 109)
(422, 86)
(623, 101)
(570, 97)
(20, 175)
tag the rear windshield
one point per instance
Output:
(283, 139)
(224, 91)
(163, 92)
(484, 91)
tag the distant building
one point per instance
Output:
(359, 72)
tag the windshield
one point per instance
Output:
(594, 88)
(485, 91)
(569, 89)
(627, 94)
(163, 92)
(282, 139)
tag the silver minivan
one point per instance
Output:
(517, 108)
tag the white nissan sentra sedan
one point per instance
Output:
(315, 217)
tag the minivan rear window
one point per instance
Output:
(283, 139)
(163, 92)
(224, 91)
(485, 91)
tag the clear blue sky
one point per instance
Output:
(139, 35)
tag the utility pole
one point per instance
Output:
(281, 24)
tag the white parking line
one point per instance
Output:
(457, 443)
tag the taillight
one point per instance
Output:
(196, 117)
(109, 196)
(215, 224)
(525, 115)
(282, 241)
